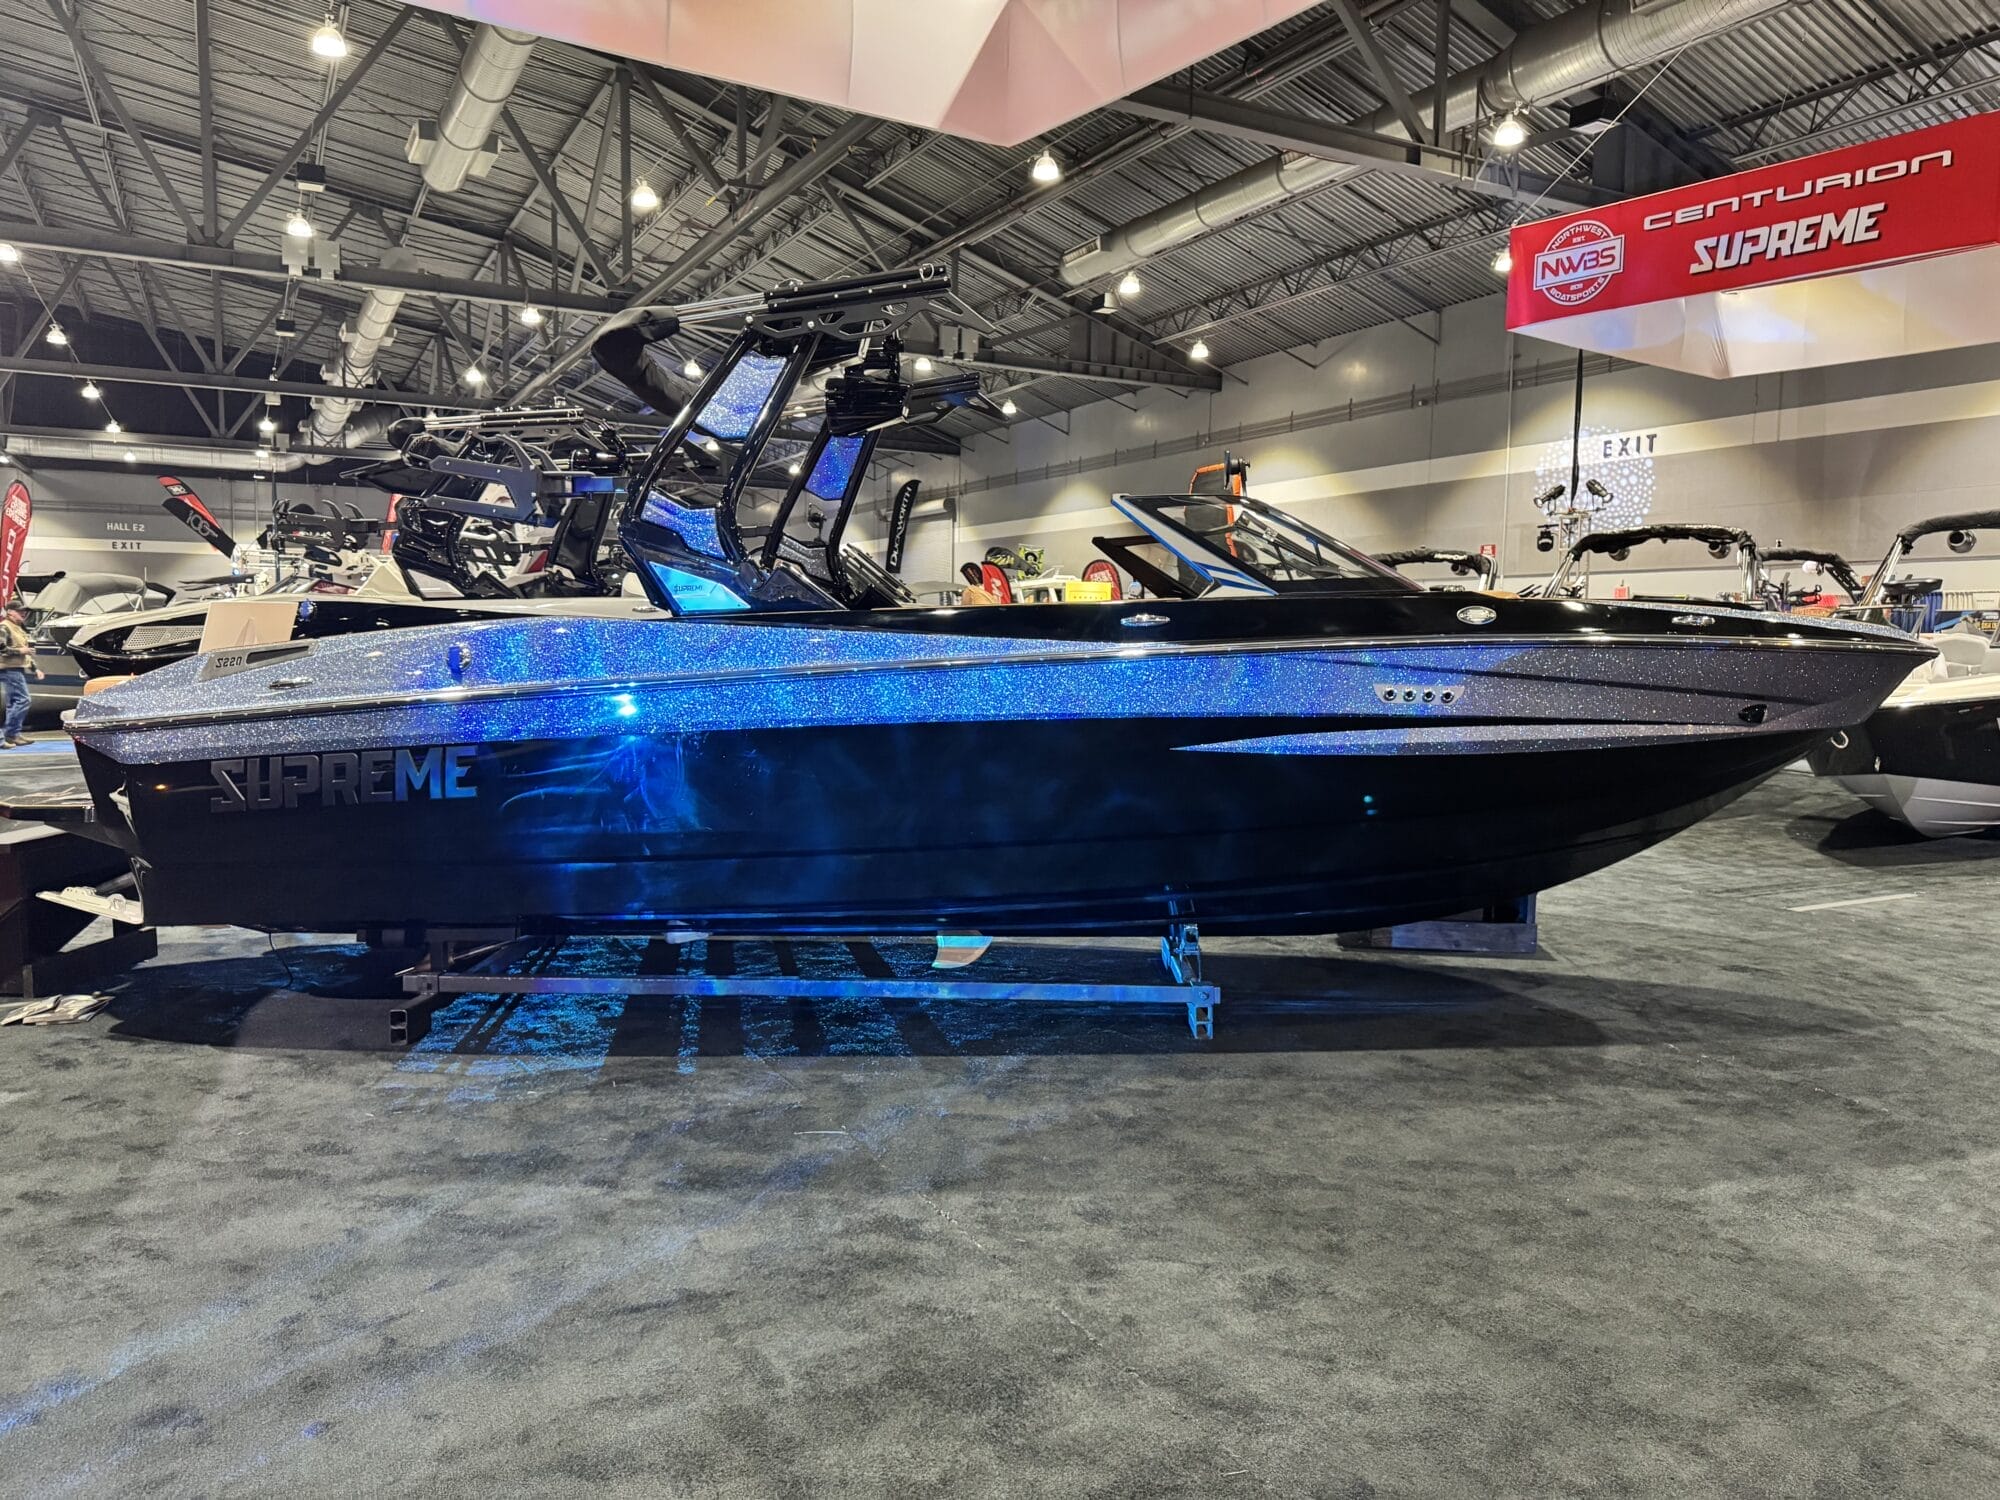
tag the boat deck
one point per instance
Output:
(41, 782)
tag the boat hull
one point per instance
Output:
(911, 830)
(1929, 758)
(814, 779)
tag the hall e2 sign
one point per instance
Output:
(127, 536)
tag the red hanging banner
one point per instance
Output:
(1705, 278)
(15, 515)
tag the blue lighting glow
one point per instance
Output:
(831, 474)
(690, 676)
(732, 411)
(626, 707)
(693, 524)
(696, 596)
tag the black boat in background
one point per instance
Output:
(1814, 563)
(468, 488)
(1317, 745)
(1466, 570)
(1930, 756)
(1571, 578)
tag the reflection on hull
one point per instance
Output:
(1929, 758)
(1936, 809)
(921, 827)
(1242, 766)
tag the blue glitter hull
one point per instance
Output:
(847, 830)
(808, 778)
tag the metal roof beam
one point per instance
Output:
(1332, 141)
(370, 202)
(211, 213)
(675, 126)
(1083, 369)
(791, 179)
(1858, 79)
(19, 139)
(326, 112)
(230, 262)
(113, 210)
(159, 346)
(543, 171)
(586, 247)
(1402, 251)
(1297, 57)
(45, 317)
(1386, 81)
(21, 364)
(87, 60)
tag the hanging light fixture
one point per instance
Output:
(56, 336)
(90, 390)
(8, 254)
(1131, 286)
(1046, 170)
(131, 457)
(644, 199)
(1503, 262)
(712, 446)
(794, 468)
(113, 428)
(691, 369)
(298, 226)
(263, 453)
(922, 365)
(328, 43)
(1107, 307)
(1008, 408)
(1509, 134)
(474, 375)
(266, 426)
(1198, 350)
(530, 316)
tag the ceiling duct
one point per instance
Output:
(458, 145)
(168, 457)
(362, 340)
(462, 143)
(1579, 49)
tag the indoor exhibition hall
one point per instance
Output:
(1115, 748)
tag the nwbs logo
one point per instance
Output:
(1579, 263)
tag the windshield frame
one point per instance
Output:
(1163, 516)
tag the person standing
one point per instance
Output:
(17, 660)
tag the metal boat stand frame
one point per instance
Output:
(463, 962)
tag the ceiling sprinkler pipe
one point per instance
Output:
(1577, 50)
(487, 77)
(164, 456)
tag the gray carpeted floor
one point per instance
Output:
(1700, 1202)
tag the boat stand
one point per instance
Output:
(1506, 930)
(480, 963)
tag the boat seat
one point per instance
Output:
(1961, 654)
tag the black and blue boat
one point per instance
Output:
(1317, 744)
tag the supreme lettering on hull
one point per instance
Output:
(341, 778)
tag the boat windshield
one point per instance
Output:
(1241, 542)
